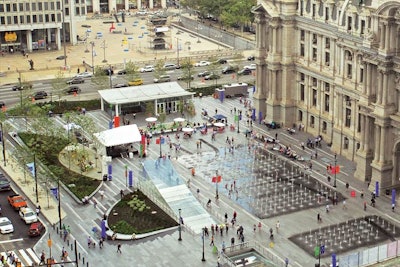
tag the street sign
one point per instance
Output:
(322, 249)
(49, 243)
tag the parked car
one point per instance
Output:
(28, 215)
(135, 82)
(202, 63)
(6, 226)
(222, 61)
(76, 80)
(148, 68)
(120, 85)
(61, 57)
(251, 58)
(36, 229)
(212, 76)
(84, 74)
(21, 87)
(204, 73)
(245, 72)
(142, 12)
(4, 183)
(72, 89)
(162, 79)
(39, 95)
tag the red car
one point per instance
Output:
(36, 229)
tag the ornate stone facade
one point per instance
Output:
(334, 67)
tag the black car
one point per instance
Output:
(76, 80)
(204, 73)
(228, 69)
(185, 78)
(122, 72)
(212, 76)
(72, 89)
(222, 61)
(251, 58)
(244, 72)
(120, 85)
(4, 183)
(40, 95)
(21, 87)
(61, 57)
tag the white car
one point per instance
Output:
(84, 75)
(148, 68)
(6, 226)
(142, 12)
(202, 63)
(250, 67)
(28, 215)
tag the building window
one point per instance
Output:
(34, 19)
(327, 58)
(314, 82)
(345, 143)
(21, 7)
(302, 92)
(76, 10)
(326, 13)
(312, 121)
(361, 75)
(40, 6)
(28, 19)
(302, 50)
(327, 43)
(348, 118)
(302, 77)
(313, 10)
(314, 97)
(327, 87)
(8, 7)
(53, 18)
(21, 19)
(314, 54)
(300, 115)
(15, 19)
(349, 23)
(46, 17)
(302, 35)
(327, 98)
(314, 39)
(8, 20)
(349, 71)
(27, 6)
(324, 126)
(2, 20)
(83, 11)
(1, 7)
(40, 18)
(362, 26)
(33, 6)
(15, 9)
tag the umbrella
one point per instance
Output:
(188, 130)
(219, 124)
(179, 119)
(151, 119)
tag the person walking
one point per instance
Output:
(278, 225)
(42, 258)
(212, 241)
(101, 192)
(101, 242)
(89, 241)
(94, 203)
(119, 248)
(121, 193)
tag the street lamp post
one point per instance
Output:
(198, 32)
(59, 204)
(64, 34)
(334, 181)
(177, 49)
(216, 185)
(161, 138)
(3, 144)
(180, 226)
(239, 117)
(36, 179)
(109, 74)
(104, 51)
(202, 237)
(218, 36)
(92, 44)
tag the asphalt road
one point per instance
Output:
(89, 89)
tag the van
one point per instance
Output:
(163, 79)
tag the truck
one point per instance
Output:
(232, 90)
(17, 202)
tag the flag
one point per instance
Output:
(214, 179)
(162, 140)
(236, 118)
(219, 178)
(158, 141)
(335, 169)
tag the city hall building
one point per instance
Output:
(334, 67)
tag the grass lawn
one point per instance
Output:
(136, 213)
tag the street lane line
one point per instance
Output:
(33, 255)
(12, 240)
(72, 210)
(26, 257)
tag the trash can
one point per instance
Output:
(131, 155)
(105, 176)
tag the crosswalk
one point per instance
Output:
(21, 257)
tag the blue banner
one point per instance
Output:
(130, 178)
(394, 196)
(259, 117)
(334, 259)
(110, 172)
(103, 229)
(377, 189)
(31, 168)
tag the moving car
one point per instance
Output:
(251, 58)
(28, 215)
(202, 63)
(39, 95)
(148, 68)
(162, 79)
(84, 74)
(4, 183)
(76, 80)
(122, 72)
(204, 73)
(212, 76)
(251, 67)
(222, 61)
(36, 229)
(61, 57)
(135, 82)
(6, 226)
(120, 85)
(21, 87)
(72, 89)
(170, 66)
(245, 72)
(229, 69)
(17, 202)
(185, 78)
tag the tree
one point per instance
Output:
(238, 13)
(159, 69)
(132, 71)
(58, 86)
(101, 79)
(150, 108)
(187, 71)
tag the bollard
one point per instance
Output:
(57, 230)
(83, 260)
(72, 247)
(79, 255)
(87, 264)
(67, 242)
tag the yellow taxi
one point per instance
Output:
(135, 82)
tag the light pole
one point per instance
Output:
(180, 226)
(202, 237)
(3, 143)
(177, 49)
(104, 51)
(216, 185)
(218, 36)
(334, 181)
(36, 179)
(161, 138)
(239, 117)
(109, 74)
(198, 34)
(59, 204)
(64, 37)
(92, 44)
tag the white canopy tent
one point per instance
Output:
(120, 135)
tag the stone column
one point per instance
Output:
(58, 38)
(377, 142)
(151, 4)
(139, 4)
(385, 76)
(387, 37)
(29, 40)
(382, 149)
(381, 36)
(163, 3)
(379, 90)
(362, 135)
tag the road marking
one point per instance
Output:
(12, 240)
(33, 255)
(72, 210)
(26, 257)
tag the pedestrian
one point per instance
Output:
(365, 205)
(226, 217)
(232, 241)
(362, 193)
(319, 218)
(327, 208)
(276, 136)
(42, 258)
(121, 193)
(278, 224)
(393, 206)
(101, 192)
(119, 248)
(302, 145)
(259, 226)
(212, 240)
(234, 215)
(216, 111)
(286, 262)
(271, 233)
(219, 261)
(101, 242)
(78, 70)
(316, 155)
(38, 208)
(223, 246)
(344, 204)
(89, 241)
(94, 203)
(347, 186)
